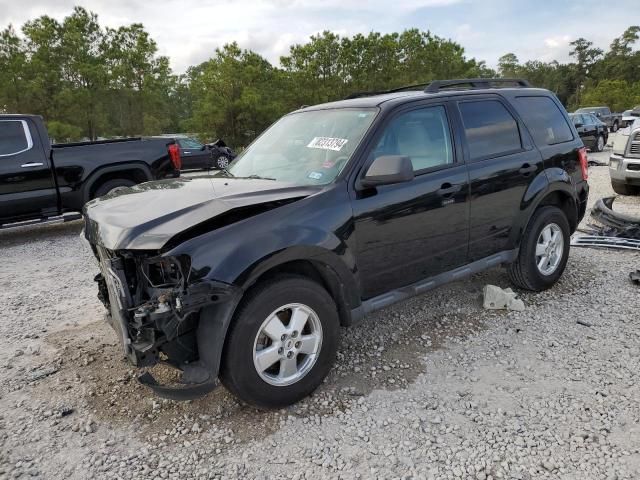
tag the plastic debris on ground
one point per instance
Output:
(496, 298)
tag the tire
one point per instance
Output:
(222, 162)
(525, 271)
(622, 188)
(272, 388)
(600, 143)
(110, 185)
(614, 127)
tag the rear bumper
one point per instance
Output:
(624, 169)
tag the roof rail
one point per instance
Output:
(438, 85)
(417, 87)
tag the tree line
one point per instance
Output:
(90, 81)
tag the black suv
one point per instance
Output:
(335, 211)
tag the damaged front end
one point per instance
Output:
(157, 308)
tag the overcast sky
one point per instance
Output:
(188, 31)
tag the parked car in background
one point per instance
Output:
(612, 120)
(593, 132)
(624, 163)
(629, 116)
(40, 182)
(199, 156)
(335, 211)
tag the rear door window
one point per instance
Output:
(545, 120)
(14, 137)
(490, 129)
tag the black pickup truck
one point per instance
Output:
(41, 182)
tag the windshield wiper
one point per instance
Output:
(226, 172)
(258, 177)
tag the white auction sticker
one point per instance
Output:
(327, 143)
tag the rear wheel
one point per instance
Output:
(544, 250)
(282, 342)
(614, 128)
(600, 142)
(622, 188)
(222, 162)
(111, 186)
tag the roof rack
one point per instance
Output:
(472, 83)
(417, 87)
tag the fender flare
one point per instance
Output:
(547, 182)
(329, 265)
(95, 175)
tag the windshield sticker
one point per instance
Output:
(327, 143)
(315, 175)
(328, 164)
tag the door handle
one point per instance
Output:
(32, 164)
(447, 190)
(186, 153)
(527, 169)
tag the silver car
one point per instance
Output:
(624, 163)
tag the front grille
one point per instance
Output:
(635, 167)
(635, 148)
(636, 137)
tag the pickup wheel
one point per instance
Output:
(110, 185)
(614, 127)
(600, 143)
(622, 188)
(544, 250)
(282, 342)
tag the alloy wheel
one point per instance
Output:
(288, 344)
(549, 249)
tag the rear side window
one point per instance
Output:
(544, 120)
(14, 137)
(490, 129)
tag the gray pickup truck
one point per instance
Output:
(612, 120)
(624, 163)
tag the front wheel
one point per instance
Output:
(282, 342)
(614, 128)
(600, 143)
(544, 250)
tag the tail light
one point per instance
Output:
(174, 155)
(584, 163)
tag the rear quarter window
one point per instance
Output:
(544, 119)
(490, 129)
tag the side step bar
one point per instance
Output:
(68, 217)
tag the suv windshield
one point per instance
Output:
(305, 148)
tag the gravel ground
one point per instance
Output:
(435, 387)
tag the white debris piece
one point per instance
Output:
(495, 298)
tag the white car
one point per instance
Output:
(628, 116)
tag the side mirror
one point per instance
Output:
(388, 169)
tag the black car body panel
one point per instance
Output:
(44, 180)
(369, 247)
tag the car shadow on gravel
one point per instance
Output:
(50, 233)
(385, 351)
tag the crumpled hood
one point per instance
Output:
(146, 216)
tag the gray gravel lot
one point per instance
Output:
(435, 387)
